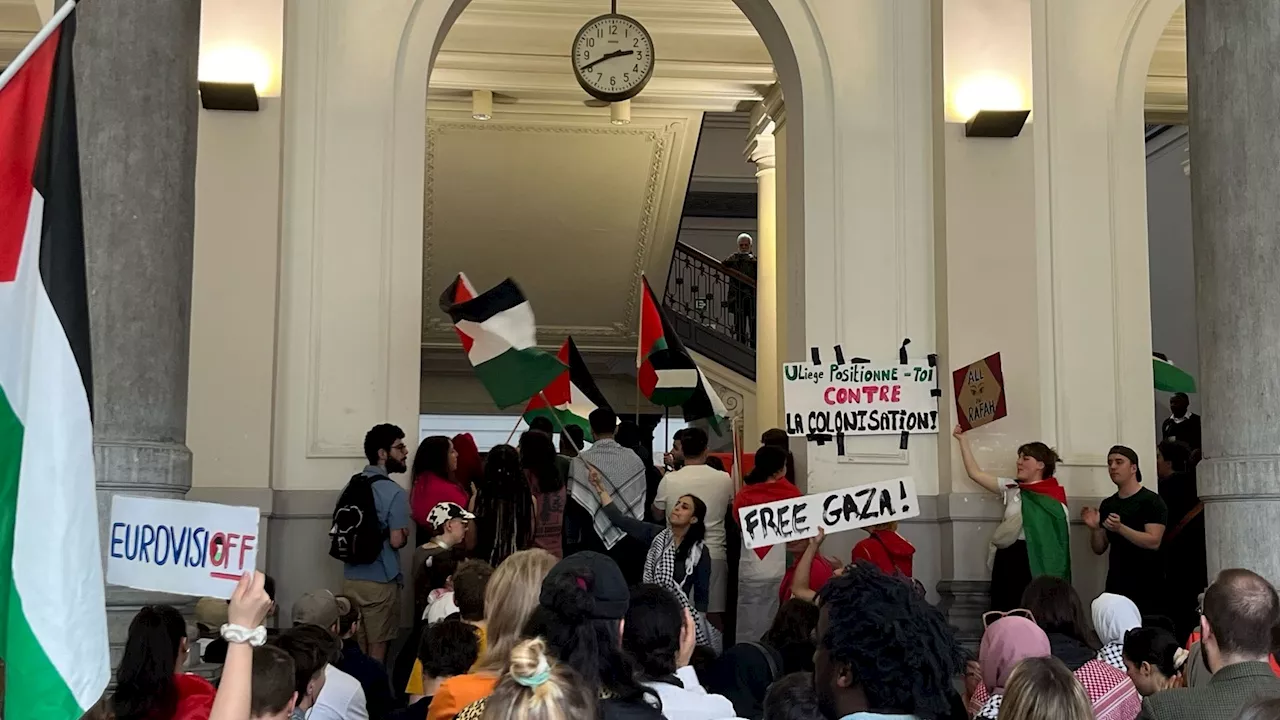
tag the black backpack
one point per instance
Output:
(356, 535)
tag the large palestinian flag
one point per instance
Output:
(705, 404)
(1044, 522)
(500, 336)
(53, 626)
(570, 398)
(666, 373)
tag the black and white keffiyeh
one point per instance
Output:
(622, 473)
(1113, 655)
(660, 569)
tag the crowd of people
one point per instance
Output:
(582, 581)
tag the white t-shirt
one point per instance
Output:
(1012, 501)
(711, 486)
(341, 698)
(691, 702)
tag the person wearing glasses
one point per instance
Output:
(375, 587)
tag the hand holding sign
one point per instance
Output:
(250, 603)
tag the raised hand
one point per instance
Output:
(1091, 517)
(250, 603)
(688, 641)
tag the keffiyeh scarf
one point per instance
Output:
(660, 569)
(622, 473)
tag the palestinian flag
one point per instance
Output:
(500, 336)
(571, 397)
(1044, 522)
(53, 624)
(705, 404)
(666, 373)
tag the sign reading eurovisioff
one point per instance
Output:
(176, 546)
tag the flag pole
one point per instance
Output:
(514, 428)
(36, 42)
(556, 417)
(666, 414)
(639, 338)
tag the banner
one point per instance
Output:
(979, 392)
(860, 399)
(175, 546)
(800, 518)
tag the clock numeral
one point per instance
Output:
(626, 77)
(600, 32)
(613, 80)
(591, 42)
(635, 42)
(636, 68)
(599, 76)
(613, 29)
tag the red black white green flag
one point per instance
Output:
(500, 336)
(53, 625)
(571, 397)
(666, 372)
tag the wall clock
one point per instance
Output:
(613, 57)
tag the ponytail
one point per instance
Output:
(1157, 647)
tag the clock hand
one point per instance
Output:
(608, 56)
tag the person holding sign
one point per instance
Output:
(761, 570)
(1032, 539)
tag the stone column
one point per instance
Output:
(760, 150)
(138, 109)
(1235, 151)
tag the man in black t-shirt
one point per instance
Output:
(1131, 523)
(1182, 425)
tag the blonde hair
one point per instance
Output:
(1044, 689)
(509, 600)
(536, 687)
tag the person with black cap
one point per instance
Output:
(1131, 523)
(580, 613)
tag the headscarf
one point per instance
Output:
(1006, 642)
(1113, 616)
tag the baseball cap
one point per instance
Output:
(319, 607)
(446, 511)
(600, 576)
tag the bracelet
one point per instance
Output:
(240, 634)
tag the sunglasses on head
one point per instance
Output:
(993, 615)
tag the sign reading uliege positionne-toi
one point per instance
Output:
(177, 546)
(860, 399)
(800, 518)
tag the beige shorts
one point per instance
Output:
(719, 589)
(379, 605)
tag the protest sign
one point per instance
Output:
(860, 399)
(979, 392)
(800, 518)
(188, 548)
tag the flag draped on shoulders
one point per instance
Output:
(500, 336)
(571, 397)
(1044, 522)
(666, 372)
(53, 629)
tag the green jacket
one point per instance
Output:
(1230, 690)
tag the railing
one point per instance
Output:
(713, 308)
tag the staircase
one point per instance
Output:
(713, 309)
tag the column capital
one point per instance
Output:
(760, 150)
(770, 113)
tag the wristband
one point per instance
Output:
(240, 634)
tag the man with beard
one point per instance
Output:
(883, 652)
(375, 587)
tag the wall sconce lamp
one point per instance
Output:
(234, 96)
(620, 112)
(996, 123)
(481, 104)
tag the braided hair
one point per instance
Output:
(504, 507)
(899, 649)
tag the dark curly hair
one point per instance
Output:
(899, 649)
(448, 648)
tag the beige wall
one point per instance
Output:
(233, 297)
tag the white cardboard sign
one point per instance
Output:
(176, 546)
(800, 518)
(860, 399)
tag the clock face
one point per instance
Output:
(613, 57)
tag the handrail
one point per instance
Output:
(717, 264)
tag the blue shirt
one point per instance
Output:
(392, 504)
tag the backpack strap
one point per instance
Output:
(774, 671)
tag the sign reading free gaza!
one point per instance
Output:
(860, 399)
(188, 548)
(800, 518)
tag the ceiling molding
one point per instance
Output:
(670, 139)
(691, 17)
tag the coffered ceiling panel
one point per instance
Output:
(573, 208)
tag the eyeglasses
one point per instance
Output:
(993, 615)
